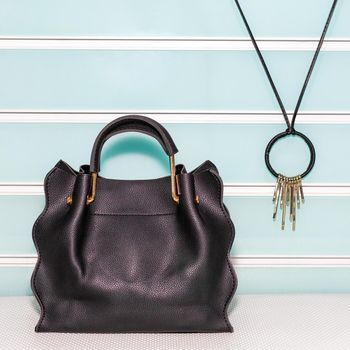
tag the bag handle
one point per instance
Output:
(130, 123)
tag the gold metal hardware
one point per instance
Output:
(276, 196)
(69, 200)
(174, 191)
(288, 192)
(174, 186)
(91, 197)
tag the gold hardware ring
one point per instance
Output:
(174, 189)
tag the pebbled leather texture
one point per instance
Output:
(133, 260)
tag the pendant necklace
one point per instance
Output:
(288, 190)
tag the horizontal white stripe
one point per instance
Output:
(168, 38)
(313, 190)
(230, 189)
(21, 190)
(17, 260)
(203, 117)
(282, 261)
(240, 261)
(216, 44)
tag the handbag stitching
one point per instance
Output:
(131, 214)
(47, 184)
(227, 259)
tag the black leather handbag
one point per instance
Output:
(133, 255)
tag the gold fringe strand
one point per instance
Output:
(288, 193)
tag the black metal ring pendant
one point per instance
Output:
(288, 189)
(282, 135)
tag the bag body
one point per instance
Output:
(133, 255)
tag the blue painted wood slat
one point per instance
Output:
(31, 150)
(168, 18)
(80, 80)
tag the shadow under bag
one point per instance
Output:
(133, 255)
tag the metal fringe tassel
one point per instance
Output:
(288, 193)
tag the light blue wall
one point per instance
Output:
(201, 18)
(40, 146)
(181, 81)
(168, 80)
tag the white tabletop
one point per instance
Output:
(281, 322)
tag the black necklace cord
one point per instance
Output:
(290, 125)
(313, 62)
(262, 60)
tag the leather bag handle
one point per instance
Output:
(129, 123)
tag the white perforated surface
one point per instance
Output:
(261, 322)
